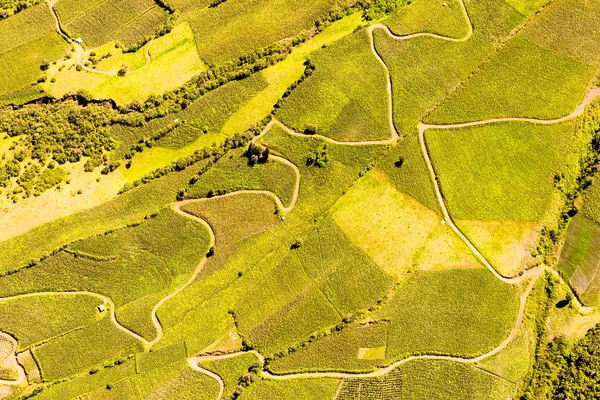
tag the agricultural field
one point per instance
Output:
(28, 39)
(343, 98)
(128, 22)
(236, 27)
(328, 199)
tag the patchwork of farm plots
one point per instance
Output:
(367, 216)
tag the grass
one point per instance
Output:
(97, 23)
(32, 320)
(426, 379)
(231, 370)
(568, 27)
(513, 362)
(345, 95)
(93, 345)
(337, 351)
(396, 231)
(430, 16)
(428, 313)
(506, 244)
(232, 173)
(327, 269)
(133, 266)
(251, 25)
(174, 61)
(234, 219)
(308, 389)
(522, 80)
(160, 358)
(486, 172)
(527, 7)
(579, 259)
(425, 70)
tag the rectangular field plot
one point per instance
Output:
(237, 27)
(580, 258)
(128, 21)
(501, 171)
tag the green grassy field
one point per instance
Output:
(83, 349)
(133, 266)
(345, 96)
(251, 25)
(522, 80)
(425, 70)
(486, 172)
(231, 370)
(580, 258)
(433, 16)
(309, 389)
(396, 231)
(33, 320)
(128, 21)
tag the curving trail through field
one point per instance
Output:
(177, 208)
(80, 51)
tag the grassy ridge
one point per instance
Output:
(345, 96)
(251, 25)
(232, 173)
(487, 171)
(418, 89)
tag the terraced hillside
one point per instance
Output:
(298, 200)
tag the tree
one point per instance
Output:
(45, 65)
(123, 70)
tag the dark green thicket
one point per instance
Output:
(567, 369)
